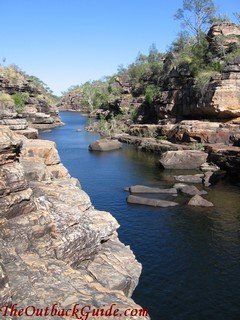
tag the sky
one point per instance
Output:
(68, 42)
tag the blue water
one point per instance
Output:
(190, 256)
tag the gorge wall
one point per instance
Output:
(55, 246)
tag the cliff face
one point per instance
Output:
(220, 100)
(55, 246)
(25, 103)
(71, 102)
(182, 94)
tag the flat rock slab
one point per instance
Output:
(209, 167)
(199, 201)
(150, 202)
(195, 178)
(145, 189)
(183, 159)
(189, 189)
(105, 145)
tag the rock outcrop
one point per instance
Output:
(188, 131)
(55, 246)
(25, 102)
(222, 36)
(222, 97)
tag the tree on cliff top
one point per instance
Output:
(196, 15)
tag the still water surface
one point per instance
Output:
(190, 256)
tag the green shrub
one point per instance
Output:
(20, 99)
(197, 146)
(6, 99)
(151, 92)
(202, 81)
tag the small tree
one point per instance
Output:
(196, 15)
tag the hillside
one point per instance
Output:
(189, 95)
(26, 103)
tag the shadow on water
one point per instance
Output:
(190, 256)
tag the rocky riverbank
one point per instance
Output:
(55, 246)
(188, 107)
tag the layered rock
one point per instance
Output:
(222, 36)
(22, 98)
(202, 132)
(55, 246)
(222, 97)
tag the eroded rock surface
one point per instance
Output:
(55, 246)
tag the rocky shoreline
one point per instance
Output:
(56, 247)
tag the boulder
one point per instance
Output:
(189, 189)
(144, 189)
(195, 178)
(187, 159)
(198, 201)
(150, 202)
(105, 145)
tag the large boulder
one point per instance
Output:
(187, 159)
(105, 145)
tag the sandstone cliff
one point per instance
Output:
(55, 246)
(25, 103)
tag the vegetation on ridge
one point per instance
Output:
(143, 82)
